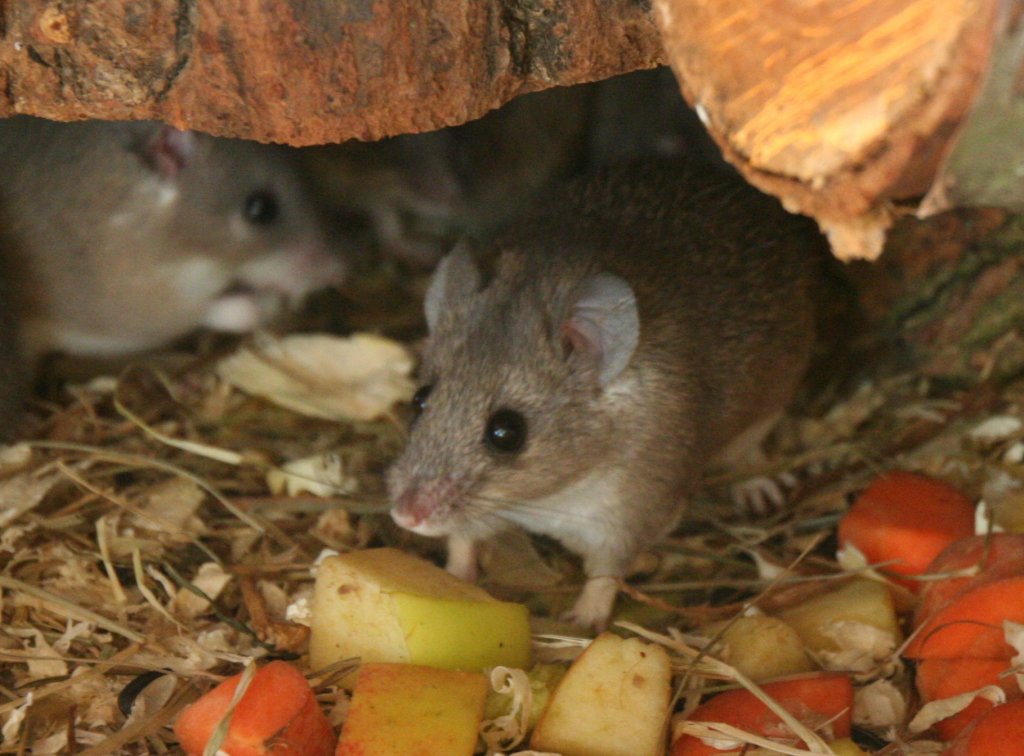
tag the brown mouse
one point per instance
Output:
(640, 323)
(119, 237)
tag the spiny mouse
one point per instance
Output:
(123, 236)
(635, 326)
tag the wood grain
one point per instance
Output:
(835, 106)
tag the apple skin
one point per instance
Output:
(388, 606)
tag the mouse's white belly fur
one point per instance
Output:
(583, 516)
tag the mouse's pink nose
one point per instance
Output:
(409, 511)
(423, 508)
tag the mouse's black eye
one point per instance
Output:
(419, 399)
(261, 207)
(506, 431)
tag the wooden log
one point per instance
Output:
(838, 107)
(947, 297)
(307, 71)
(985, 166)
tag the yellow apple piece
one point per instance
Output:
(389, 606)
(613, 701)
(846, 747)
(867, 602)
(403, 709)
(760, 647)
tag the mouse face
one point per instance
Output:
(131, 234)
(514, 404)
(243, 206)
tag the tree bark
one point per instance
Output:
(308, 71)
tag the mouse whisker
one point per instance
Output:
(496, 506)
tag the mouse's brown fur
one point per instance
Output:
(723, 281)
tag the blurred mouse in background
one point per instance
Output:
(417, 194)
(120, 237)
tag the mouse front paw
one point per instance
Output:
(593, 609)
(462, 559)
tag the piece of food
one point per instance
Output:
(865, 601)
(944, 678)
(386, 605)
(846, 747)
(906, 519)
(971, 625)
(1008, 512)
(760, 647)
(992, 557)
(278, 714)
(543, 679)
(405, 709)
(823, 702)
(613, 701)
(961, 644)
(999, 732)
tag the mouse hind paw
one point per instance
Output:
(761, 495)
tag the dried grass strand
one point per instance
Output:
(99, 668)
(70, 609)
(140, 461)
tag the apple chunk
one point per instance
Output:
(402, 709)
(613, 701)
(759, 646)
(866, 602)
(388, 606)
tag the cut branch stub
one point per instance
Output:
(837, 107)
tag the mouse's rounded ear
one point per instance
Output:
(456, 277)
(167, 150)
(602, 329)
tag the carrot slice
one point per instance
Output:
(943, 678)
(1000, 732)
(997, 556)
(971, 625)
(812, 699)
(278, 714)
(908, 519)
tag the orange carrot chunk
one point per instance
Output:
(971, 625)
(278, 714)
(813, 699)
(1000, 732)
(943, 678)
(996, 556)
(908, 519)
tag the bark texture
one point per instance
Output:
(308, 71)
